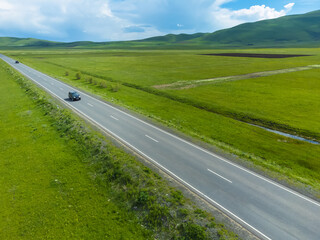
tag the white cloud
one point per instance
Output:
(225, 18)
(106, 11)
(103, 20)
(258, 13)
(289, 6)
(5, 5)
(219, 3)
(66, 20)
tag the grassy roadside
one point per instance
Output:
(46, 192)
(289, 159)
(90, 189)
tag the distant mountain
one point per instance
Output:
(172, 38)
(25, 42)
(290, 31)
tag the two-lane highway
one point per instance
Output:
(266, 208)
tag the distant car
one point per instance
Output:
(74, 96)
(17, 61)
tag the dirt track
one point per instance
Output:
(195, 83)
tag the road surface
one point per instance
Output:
(266, 208)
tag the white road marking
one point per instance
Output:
(90, 104)
(61, 88)
(51, 83)
(220, 176)
(152, 138)
(114, 118)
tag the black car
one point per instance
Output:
(74, 96)
(17, 61)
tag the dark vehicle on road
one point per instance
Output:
(17, 61)
(74, 96)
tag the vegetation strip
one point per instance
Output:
(196, 83)
(205, 106)
(133, 186)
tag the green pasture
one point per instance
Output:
(46, 191)
(212, 113)
(291, 99)
(148, 68)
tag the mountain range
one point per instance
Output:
(301, 30)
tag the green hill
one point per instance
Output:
(172, 38)
(25, 42)
(290, 31)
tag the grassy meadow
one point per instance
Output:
(62, 180)
(218, 113)
(290, 99)
(46, 197)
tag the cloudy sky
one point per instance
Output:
(111, 20)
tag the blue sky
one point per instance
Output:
(112, 20)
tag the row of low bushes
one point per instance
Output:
(244, 117)
(114, 87)
(160, 208)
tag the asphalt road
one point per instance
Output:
(264, 207)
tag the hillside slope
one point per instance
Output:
(293, 30)
(24, 42)
(288, 30)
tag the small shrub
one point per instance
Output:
(66, 73)
(143, 198)
(157, 216)
(115, 88)
(192, 231)
(78, 76)
(183, 212)
(176, 197)
(200, 212)
(103, 84)
(212, 223)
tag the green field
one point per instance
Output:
(46, 191)
(217, 113)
